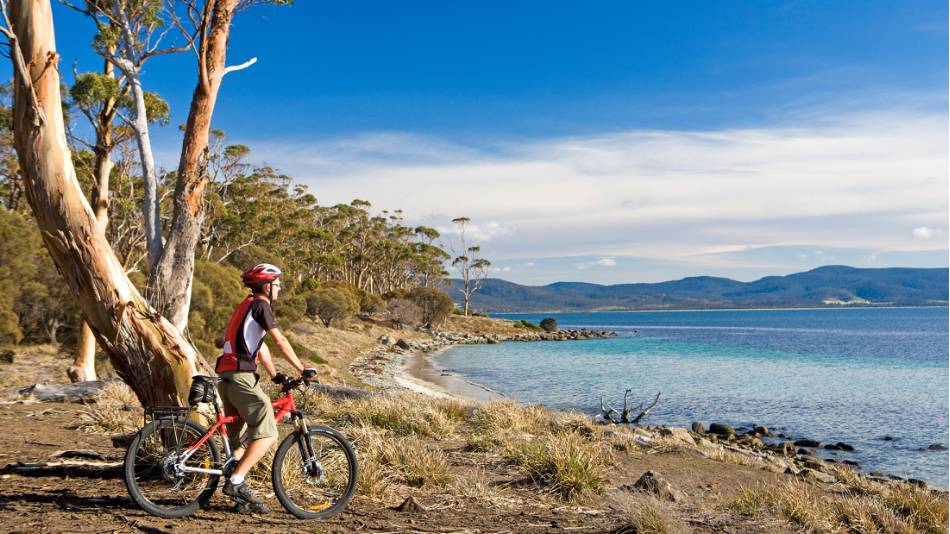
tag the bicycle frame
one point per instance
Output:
(282, 407)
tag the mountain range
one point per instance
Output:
(833, 285)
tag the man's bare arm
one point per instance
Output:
(285, 349)
(263, 356)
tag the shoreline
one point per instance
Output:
(414, 370)
(498, 315)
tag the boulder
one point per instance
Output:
(813, 463)
(698, 427)
(722, 429)
(401, 343)
(653, 482)
(937, 447)
(817, 476)
(805, 452)
(808, 443)
(785, 447)
(888, 438)
(760, 429)
(679, 435)
(7, 356)
(840, 446)
(917, 482)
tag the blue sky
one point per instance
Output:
(608, 141)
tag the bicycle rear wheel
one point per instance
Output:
(153, 472)
(317, 485)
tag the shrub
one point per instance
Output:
(216, 290)
(403, 312)
(370, 303)
(331, 304)
(529, 325)
(435, 305)
(549, 324)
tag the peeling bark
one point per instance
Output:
(147, 351)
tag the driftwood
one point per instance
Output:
(611, 415)
(78, 392)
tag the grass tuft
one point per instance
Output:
(115, 410)
(565, 465)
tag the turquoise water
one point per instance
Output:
(851, 375)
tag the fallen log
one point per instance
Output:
(80, 392)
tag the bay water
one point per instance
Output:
(851, 375)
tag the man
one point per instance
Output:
(240, 389)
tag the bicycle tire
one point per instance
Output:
(132, 482)
(290, 443)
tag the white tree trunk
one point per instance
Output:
(150, 207)
(148, 352)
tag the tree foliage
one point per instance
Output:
(331, 304)
(549, 324)
(434, 304)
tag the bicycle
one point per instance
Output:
(173, 464)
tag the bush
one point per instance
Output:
(331, 304)
(529, 325)
(435, 305)
(370, 303)
(403, 312)
(549, 324)
(216, 290)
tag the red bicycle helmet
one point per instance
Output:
(260, 274)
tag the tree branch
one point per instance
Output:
(242, 66)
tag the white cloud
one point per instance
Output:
(602, 262)
(853, 181)
(923, 232)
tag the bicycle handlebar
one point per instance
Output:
(294, 383)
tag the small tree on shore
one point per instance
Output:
(331, 304)
(472, 269)
(403, 312)
(549, 324)
(434, 304)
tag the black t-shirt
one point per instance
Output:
(259, 319)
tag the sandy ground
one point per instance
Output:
(417, 372)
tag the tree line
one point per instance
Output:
(150, 260)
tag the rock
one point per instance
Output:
(653, 482)
(722, 429)
(888, 438)
(385, 339)
(7, 356)
(680, 435)
(401, 343)
(782, 448)
(917, 482)
(79, 392)
(852, 463)
(808, 443)
(805, 452)
(817, 476)
(410, 506)
(844, 447)
(937, 447)
(84, 454)
(876, 474)
(760, 429)
(698, 427)
(491, 341)
(832, 447)
(813, 463)
(122, 441)
(342, 392)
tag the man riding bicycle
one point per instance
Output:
(240, 390)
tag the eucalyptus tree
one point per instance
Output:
(129, 33)
(147, 351)
(471, 268)
(207, 26)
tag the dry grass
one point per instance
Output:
(565, 465)
(116, 410)
(862, 506)
(649, 516)
(401, 413)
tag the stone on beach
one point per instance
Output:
(722, 429)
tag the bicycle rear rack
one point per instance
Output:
(158, 413)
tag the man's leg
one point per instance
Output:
(256, 450)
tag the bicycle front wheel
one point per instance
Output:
(154, 472)
(315, 474)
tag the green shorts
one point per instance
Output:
(241, 394)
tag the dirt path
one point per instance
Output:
(64, 497)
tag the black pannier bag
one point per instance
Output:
(202, 390)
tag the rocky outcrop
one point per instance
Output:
(652, 482)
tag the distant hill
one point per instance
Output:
(832, 285)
